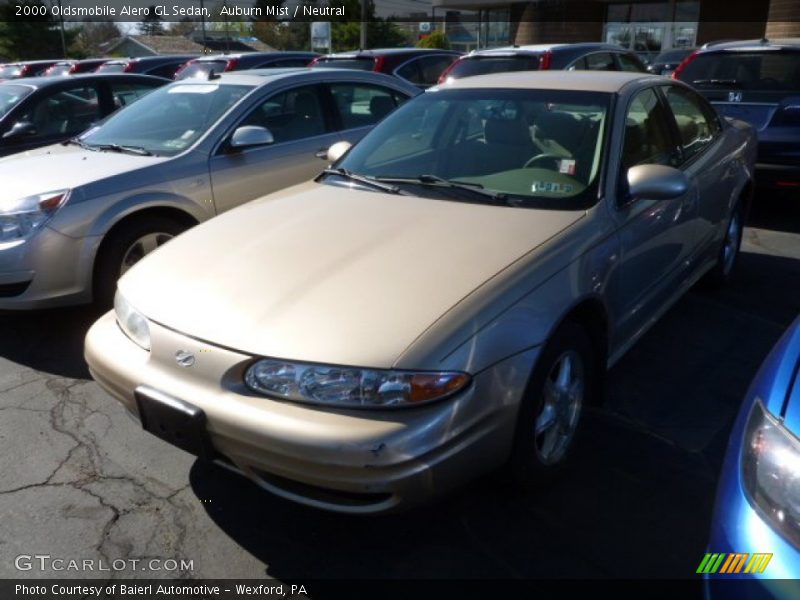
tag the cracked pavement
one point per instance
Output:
(80, 480)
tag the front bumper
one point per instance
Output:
(355, 461)
(49, 269)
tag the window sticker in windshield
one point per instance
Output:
(193, 89)
(566, 166)
(552, 187)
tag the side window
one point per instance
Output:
(292, 115)
(626, 63)
(361, 105)
(430, 67)
(647, 136)
(695, 126)
(128, 93)
(578, 65)
(65, 113)
(600, 61)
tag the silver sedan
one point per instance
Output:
(444, 299)
(73, 217)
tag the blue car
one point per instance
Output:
(757, 81)
(757, 511)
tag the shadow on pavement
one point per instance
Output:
(50, 341)
(776, 211)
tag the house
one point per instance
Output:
(153, 45)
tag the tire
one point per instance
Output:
(539, 452)
(126, 246)
(722, 272)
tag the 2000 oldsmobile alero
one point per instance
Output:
(441, 301)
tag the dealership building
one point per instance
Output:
(643, 26)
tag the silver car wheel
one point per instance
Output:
(142, 247)
(731, 247)
(561, 409)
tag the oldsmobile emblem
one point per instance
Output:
(184, 358)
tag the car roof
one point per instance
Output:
(387, 51)
(43, 82)
(538, 48)
(276, 53)
(744, 45)
(591, 81)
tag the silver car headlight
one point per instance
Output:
(19, 219)
(351, 387)
(132, 322)
(771, 471)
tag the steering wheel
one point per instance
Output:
(544, 156)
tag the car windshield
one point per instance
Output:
(10, 95)
(168, 120)
(528, 148)
(771, 70)
(202, 69)
(483, 65)
(365, 63)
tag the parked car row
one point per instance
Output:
(441, 300)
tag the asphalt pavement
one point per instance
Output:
(80, 480)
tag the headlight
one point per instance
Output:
(20, 218)
(351, 387)
(132, 322)
(771, 471)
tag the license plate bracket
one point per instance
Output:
(175, 421)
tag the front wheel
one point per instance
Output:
(562, 384)
(127, 246)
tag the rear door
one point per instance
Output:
(301, 125)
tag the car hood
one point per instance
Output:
(328, 274)
(63, 167)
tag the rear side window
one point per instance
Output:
(696, 126)
(764, 70)
(600, 61)
(425, 71)
(361, 105)
(483, 65)
(626, 63)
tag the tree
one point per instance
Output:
(346, 32)
(437, 39)
(183, 27)
(92, 36)
(151, 24)
(31, 37)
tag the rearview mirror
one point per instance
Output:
(20, 129)
(338, 150)
(656, 182)
(248, 136)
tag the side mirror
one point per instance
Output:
(338, 150)
(656, 182)
(20, 129)
(249, 136)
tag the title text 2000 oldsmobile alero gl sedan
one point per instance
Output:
(443, 299)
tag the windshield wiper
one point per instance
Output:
(138, 150)
(728, 82)
(384, 187)
(436, 181)
(77, 142)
